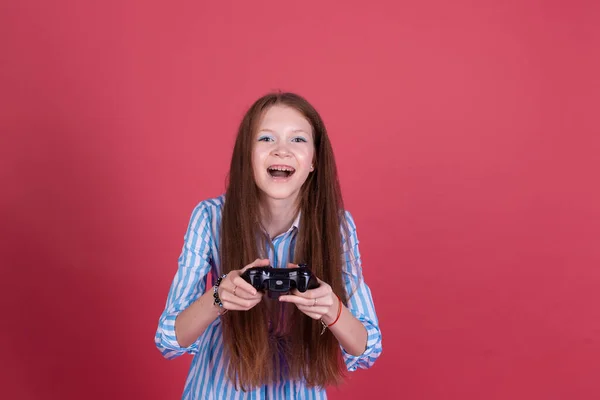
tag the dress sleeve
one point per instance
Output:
(189, 283)
(360, 301)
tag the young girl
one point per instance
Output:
(283, 206)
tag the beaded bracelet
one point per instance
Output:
(217, 301)
(325, 326)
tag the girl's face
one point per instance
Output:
(283, 153)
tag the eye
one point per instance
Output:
(265, 138)
(299, 139)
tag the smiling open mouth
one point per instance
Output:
(281, 171)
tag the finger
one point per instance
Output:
(308, 302)
(308, 294)
(237, 291)
(290, 298)
(322, 291)
(232, 306)
(236, 307)
(228, 284)
(291, 265)
(320, 311)
(244, 289)
(296, 292)
(227, 297)
(259, 262)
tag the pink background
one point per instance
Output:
(467, 137)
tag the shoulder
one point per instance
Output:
(206, 212)
(211, 206)
(348, 221)
(348, 229)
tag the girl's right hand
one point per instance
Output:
(237, 294)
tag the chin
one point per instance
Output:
(281, 194)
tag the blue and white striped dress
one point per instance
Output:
(207, 378)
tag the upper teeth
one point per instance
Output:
(282, 168)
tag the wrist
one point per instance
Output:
(217, 299)
(334, 311)
(210, 299)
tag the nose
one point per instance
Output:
(281, 150)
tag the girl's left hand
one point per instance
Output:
(319, 303)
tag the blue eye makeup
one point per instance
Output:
(270, 138)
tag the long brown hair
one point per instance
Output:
(256, 356)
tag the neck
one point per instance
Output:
(278, 215)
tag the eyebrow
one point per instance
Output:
(294, 131)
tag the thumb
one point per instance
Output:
(257, 263)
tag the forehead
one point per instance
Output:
(280, 118)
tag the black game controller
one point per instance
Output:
(278, 281)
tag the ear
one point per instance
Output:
(311, 167)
